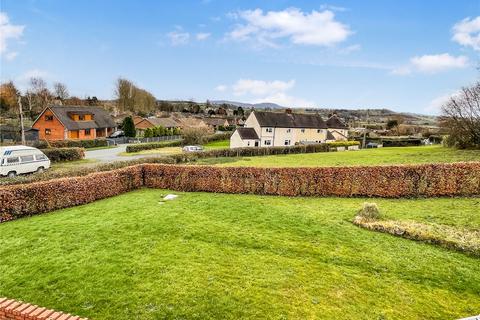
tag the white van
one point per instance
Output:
(16, 160)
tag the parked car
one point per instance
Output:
(192, 148)
(117, 134)
(372, 145)
(15, 160)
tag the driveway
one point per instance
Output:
(112, 154)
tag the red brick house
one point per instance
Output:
(74, 122)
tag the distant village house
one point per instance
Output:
(273, 129)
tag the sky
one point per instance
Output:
(404, 55)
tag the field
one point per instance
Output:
(381, 156)
(207, 256)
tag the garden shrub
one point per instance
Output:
(64, 154)
(369, 211)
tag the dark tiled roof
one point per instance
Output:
(101, 118)
(164, 122)
(290, 120)
(334, 122)
(247, 133)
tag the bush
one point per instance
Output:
(194, 135)
(153, 145)
(369, 211)
(94, 143)
(64, 154)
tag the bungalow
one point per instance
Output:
(216, 123)
(272, 129)
(146, 123)
(74, 122)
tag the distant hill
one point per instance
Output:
(263, 105)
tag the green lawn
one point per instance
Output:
(221, 144)
(205, 256)
(381, 156)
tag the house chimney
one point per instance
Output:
(288, 111)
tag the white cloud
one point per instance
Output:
(315, 28)
(8, 31)
(202, 36)
(437, 103)
(11, 55)
(33, 73)
(257, 91)
(221, 88)
(178, 38)
(260, 87)
(438, 62)
(467, 33)
(432, 64)
(281, 98)
(333, 8)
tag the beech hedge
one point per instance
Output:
(34, 198)
(427, 180)
(64, 154)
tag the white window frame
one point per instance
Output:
(289, 130)
(287, 142)
(269, 130)
(302, 130)
(267, 142)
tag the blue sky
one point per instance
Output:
(402, 55)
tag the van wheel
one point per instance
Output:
(41, 170)
(12, 174)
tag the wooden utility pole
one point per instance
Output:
(21, 119)
(365, 133)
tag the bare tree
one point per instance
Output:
(38, 96)
(461, 116)
(60, 91)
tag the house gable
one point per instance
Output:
(49, 126)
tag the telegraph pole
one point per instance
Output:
(21, 119)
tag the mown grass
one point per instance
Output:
(206, 256)
(221, 144)
(381, 156)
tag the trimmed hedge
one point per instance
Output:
(153, 145)
(64, 154)
(177, 143)
(94, 143)
(34, 198)
(430, 180)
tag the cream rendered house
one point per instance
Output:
(337, 130)
(274, 129)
